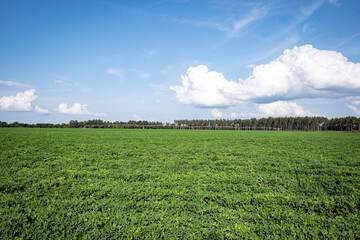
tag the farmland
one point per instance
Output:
(122, 183)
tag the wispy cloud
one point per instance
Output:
(237, 27)
(257, 12)
(289, 35)
(147, 55)
(355, 109)
(65, 81)
(13, 84)
(307, 11)
(335, 3)
(178, 20)
(346, 40)
(254, 15)
(61, 79)
(166, 70)
(150, 54)
(116, 72)
(280, 46)
(144, 75)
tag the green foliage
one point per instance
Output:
(279, 123)
(178, 184)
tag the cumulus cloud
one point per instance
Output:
(355, 109)
(12, 84)
(216, 113)
(76, 109)
(235, 115)
(137, 117)
(203, 87)
(20, 102)
(40, 110)
(283, 109)
(301, 72)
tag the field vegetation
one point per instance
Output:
(178, 184)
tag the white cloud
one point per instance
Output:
(347, 40)
(204, 88)
(283, 109)
(137, 117)
(59, 82)
(310, 9)
(76, 109)
(12, 84)
(254, 15)
(216, 113)
(235, 115)
(144, 75)
(40, 110)
(301, 72)
(354, 99)
(355, 109)
(116, 72)
(335, 2)
(20, 102)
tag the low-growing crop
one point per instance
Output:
(178, 184)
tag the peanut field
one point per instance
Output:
(178, 184)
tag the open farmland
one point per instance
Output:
(112, 183)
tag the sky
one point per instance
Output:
(168, 60)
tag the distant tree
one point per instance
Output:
(4, 124)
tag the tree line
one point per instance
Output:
(279, 123)
(270, 123)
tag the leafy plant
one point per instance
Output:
(176, 184)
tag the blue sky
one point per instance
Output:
(165, 60)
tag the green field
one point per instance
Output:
(114, 184)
